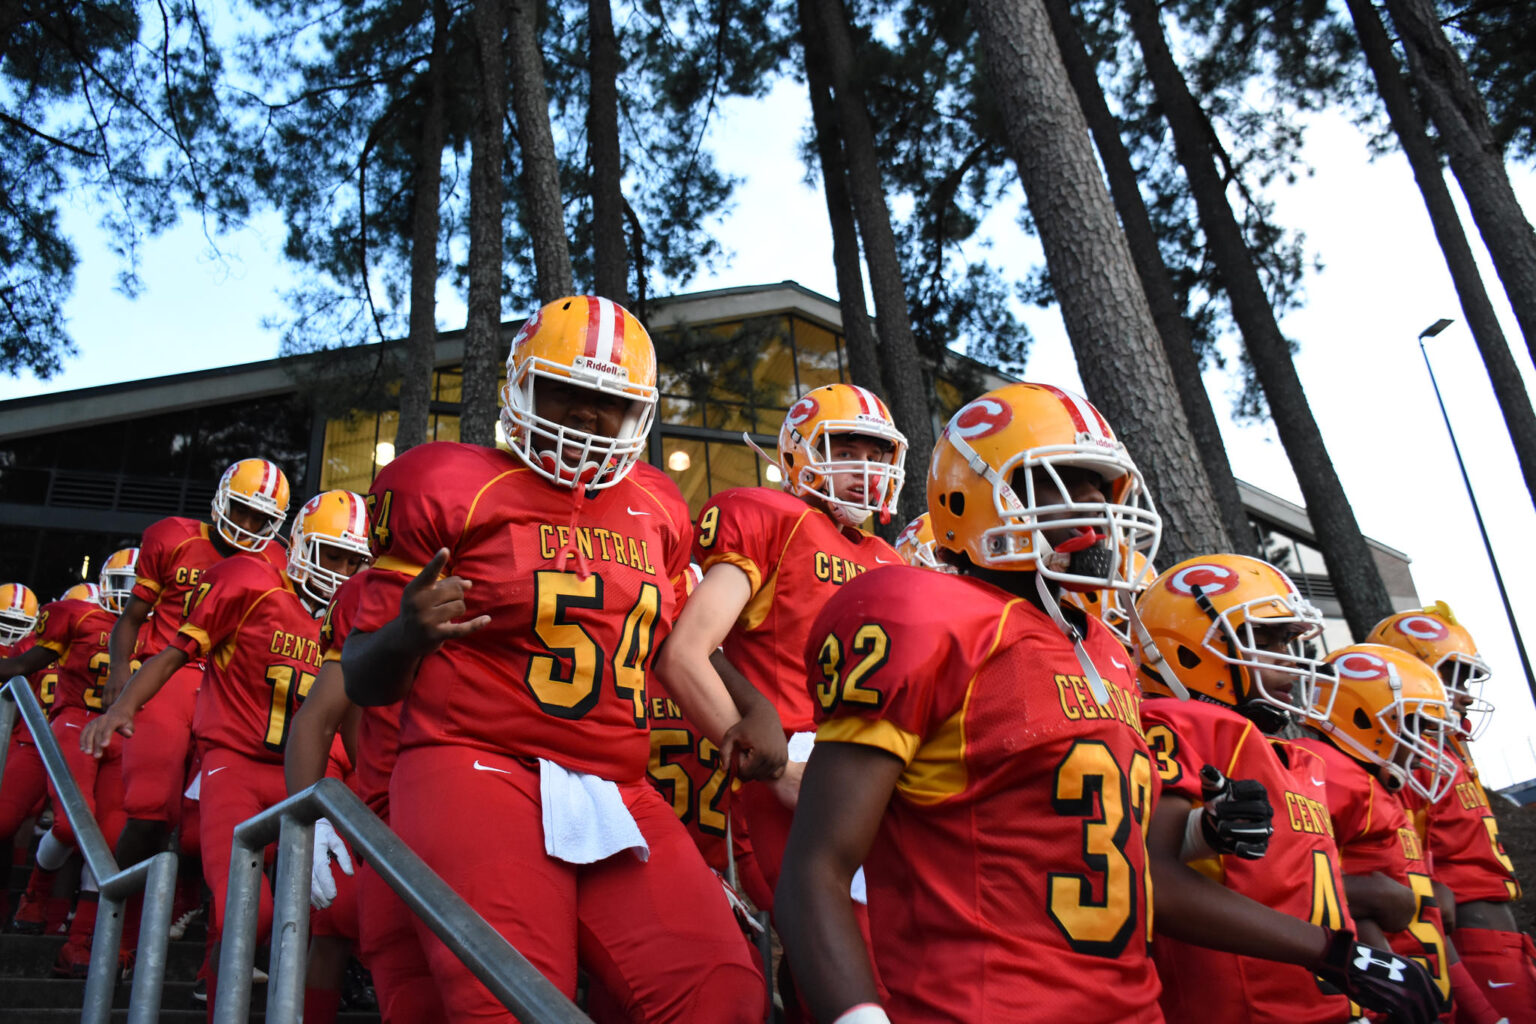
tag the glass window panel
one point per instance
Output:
(684, 461)
(729, 416)
(161, 445)
(276, 428)
(444, 428)
(817, 357)
(731, 465)
(951, 398)
(95, 450)
(681, 411)
(1310, 559)
(350, 450)
(1279, 551)
(448, 385)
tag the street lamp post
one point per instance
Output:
(1498, 578)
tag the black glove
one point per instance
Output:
(1236, 817)
(1381, 980)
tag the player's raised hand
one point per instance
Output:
(97, 734)
(430, 608)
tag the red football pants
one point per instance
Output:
(391, 950)
(1504, 966)
(657, 934)
(155, 756)
(767, 821)
(100, 779)
(340, 919)
(24, 790)
(235, 787)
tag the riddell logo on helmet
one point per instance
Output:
(1422, 627)
(979, 419)
(1211, 579)
(598, 366)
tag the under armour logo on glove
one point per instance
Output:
(1380, 980)
(1365, 959)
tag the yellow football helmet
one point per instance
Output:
(117, 579)
(805, 451)
(986, 499)
(336, 519)
(592, 343)
(1201, 616)
(1435, 637)
(256, 484)
(915, 545)
(18, 613)
(83, 592)
(1107, 605)
(1386, 706)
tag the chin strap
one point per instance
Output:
(1071, 632)
(1152, 655)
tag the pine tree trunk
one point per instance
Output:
(611, 266)
(482, 333)
(426, 223)
(1362, 594)
(906, 389)
(1503, 372)
(1173, 329)
(1118, 352)
(543, 206)
(858, 332)
(1461, 118)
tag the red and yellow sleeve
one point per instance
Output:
(55, 628)
(738, 529)
(154, 548)
(231, 587)
(1182, 744)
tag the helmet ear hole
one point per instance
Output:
(1188, 658)
(957, 502)
(1362, 720)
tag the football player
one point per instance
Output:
(1385, 716)
(519, 600)
(915, 545)
(979, 751)
(771, 559)
(1474, 877)
(248, 509)
(255, 627)
(73, 631)
(387, 940)
(1240, 938)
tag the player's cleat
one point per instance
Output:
(74, 959)
(32, 909)
(200, 991)
(179, 926)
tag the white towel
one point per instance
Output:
(585, 819)
(800, 746)
(194, 790)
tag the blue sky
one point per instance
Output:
(1383, 281)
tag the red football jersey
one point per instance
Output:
(796, 557)
(1298, 876)
(77, 631)
(685, 766)
(560, 671)
(1465, 851)
(173, 555)
(36, 680)
(1012, 856)
(1372, 831)
(378, 729)
(263, 650)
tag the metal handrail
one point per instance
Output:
(491, 958)
(156, 876)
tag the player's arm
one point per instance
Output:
(1195, 909)
(379, 667)
(120, 646)
(842, 799)
(744, 726)
(33, 659)
(314, 728)
(1446, 901)
(144, 684)
(1389, 905)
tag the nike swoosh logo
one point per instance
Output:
(885, 561)
(1115, 662)
(635, 512)
(215, 771)
(71, 725)
(1500, 984)
(487, 768)
(1318, 782)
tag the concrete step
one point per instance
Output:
(168, 1015)
(32, 956)
(51, 993)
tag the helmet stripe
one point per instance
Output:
(1084, 416)
(868, 403)
(268, 481)
(605, 330)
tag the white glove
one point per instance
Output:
(322, 885)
